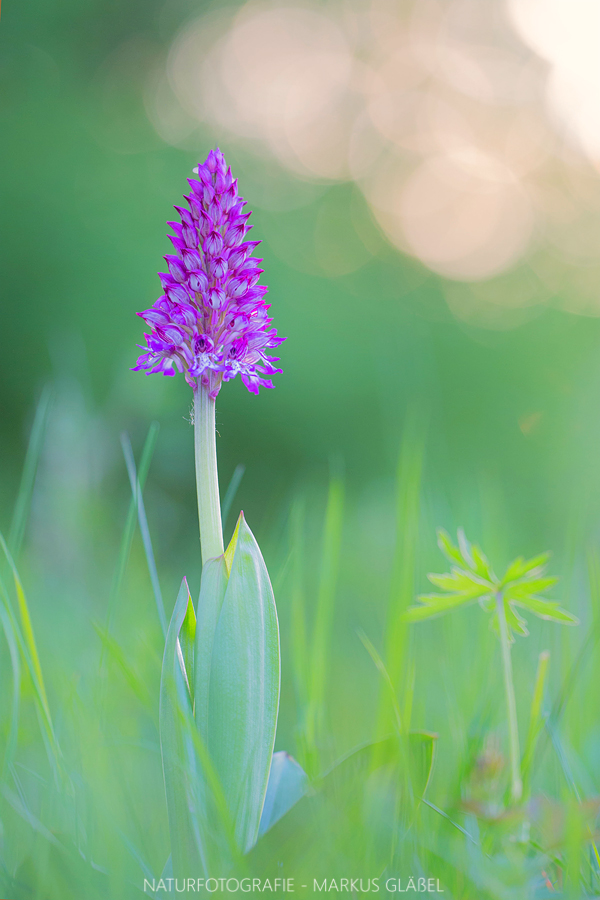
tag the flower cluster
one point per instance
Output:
(211, 321)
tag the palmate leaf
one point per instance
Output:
(472, 578)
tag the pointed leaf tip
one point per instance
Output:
(447, 547)
(230, 552)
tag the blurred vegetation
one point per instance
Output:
(504, 423)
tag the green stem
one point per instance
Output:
(516, 789)
(207, 477)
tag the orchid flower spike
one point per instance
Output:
(211, 322)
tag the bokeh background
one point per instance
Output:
(425, 179)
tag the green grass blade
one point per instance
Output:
(232, 489)
(536, 720)
(129, 528)
(13, 729)
(29, 649)
(32, 458)
(119, 656)
(381, 668)
(137, 495)
(445, 816)
(402, 584)
(332, 540)
(175, 702)
(300, 651)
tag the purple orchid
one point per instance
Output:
(211, 321)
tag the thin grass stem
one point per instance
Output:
(128, 531)
(32, 458)
(536, 720)
(137, 494)
(332, 538)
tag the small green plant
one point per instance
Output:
(471, 579)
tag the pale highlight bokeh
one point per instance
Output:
(470, 128)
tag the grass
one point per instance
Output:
(82, 806)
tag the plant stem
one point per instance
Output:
(207, 477)
(516, 789)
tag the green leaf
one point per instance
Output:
(516, 624)
(466, 551)
(546, 609)
(185, 648)
(520, 567)
(435, 605)
(287, 784)
(515, 621)
(351, 811)
(515, 570)
(528, 586)
(445, 544)
(482, 566)
(460, 581)
(244, 687)
(212, 593)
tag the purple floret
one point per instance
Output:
(211, 321)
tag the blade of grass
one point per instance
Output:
(31, 656)
(332, 539)
(129, 527)
(569, 777)
(32, 458)
(11, 741)
(444, 815)
(25, 813)
(300, 654)
(536, 720)
(587, 648)
(232, 489)
(137, 495)
(402, 585)
(137, 684)
(380, 666)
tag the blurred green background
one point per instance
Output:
(493, 360)
(87, 185)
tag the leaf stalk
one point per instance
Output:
(516, 789)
